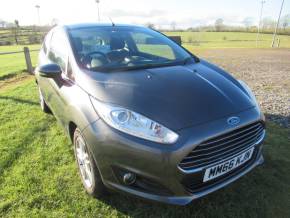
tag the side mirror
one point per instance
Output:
(176, 39)
(49, 70)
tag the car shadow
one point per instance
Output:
(281, 120)
(19, 100)
(7, 76)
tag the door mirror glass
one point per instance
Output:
(49, 70)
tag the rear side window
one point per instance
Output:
(58, 50)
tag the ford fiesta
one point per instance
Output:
(147, 117)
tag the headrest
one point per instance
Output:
(78, 44)
(117, 43)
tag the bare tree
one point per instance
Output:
(219, 24)
(150, 25)
(16, 23)
(54, 21)
(15, 30)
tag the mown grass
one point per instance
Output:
(13, 64)
(39, 177)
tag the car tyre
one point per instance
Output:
(43, 105)
(88, 169)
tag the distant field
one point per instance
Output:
(227, 40)
(14, 63)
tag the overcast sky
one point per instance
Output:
(185, 13)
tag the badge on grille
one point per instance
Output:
(233, 121)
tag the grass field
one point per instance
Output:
(38, 175)
(228, 40)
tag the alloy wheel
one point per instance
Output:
(84, 162)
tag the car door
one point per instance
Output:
(54, 88)
(43, 60)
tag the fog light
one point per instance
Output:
(129, 178)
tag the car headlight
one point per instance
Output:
(249, 91)
(133, 123)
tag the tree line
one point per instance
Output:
(267, 25)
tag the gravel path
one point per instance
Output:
(266, 71)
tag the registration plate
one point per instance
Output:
(227, 166)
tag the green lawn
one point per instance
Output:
(228, 40)
(12, 64)
(39, 177)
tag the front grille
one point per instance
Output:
(194, 182)
(223, 146)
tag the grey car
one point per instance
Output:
(146, 117)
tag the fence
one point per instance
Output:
(22, 35)
(13, 62)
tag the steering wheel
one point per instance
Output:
(131, 62)
(87, 57)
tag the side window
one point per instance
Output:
(146, 44)
(58, 50)
(45, 44)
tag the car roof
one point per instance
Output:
(84, 25)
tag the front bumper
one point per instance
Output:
(156, 165)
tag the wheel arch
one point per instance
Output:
(71, 129)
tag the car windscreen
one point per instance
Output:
(105, 48)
